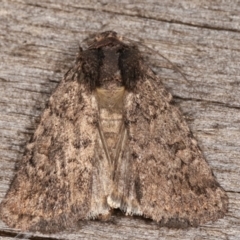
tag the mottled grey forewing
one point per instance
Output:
(53, 186)
(162, 173)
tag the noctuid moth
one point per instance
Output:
(110, 138)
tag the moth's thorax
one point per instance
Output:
(110, 104)
(109, 63)
(110, 74)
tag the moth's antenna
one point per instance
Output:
(22, 235)
(173, 65)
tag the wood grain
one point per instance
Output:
(39, 41)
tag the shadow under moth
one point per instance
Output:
(110, 138)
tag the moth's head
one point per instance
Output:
(104, 35)
(104, 39)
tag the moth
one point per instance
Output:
(110, 138)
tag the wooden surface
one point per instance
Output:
(39, 41)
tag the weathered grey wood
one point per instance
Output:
(38, 43)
